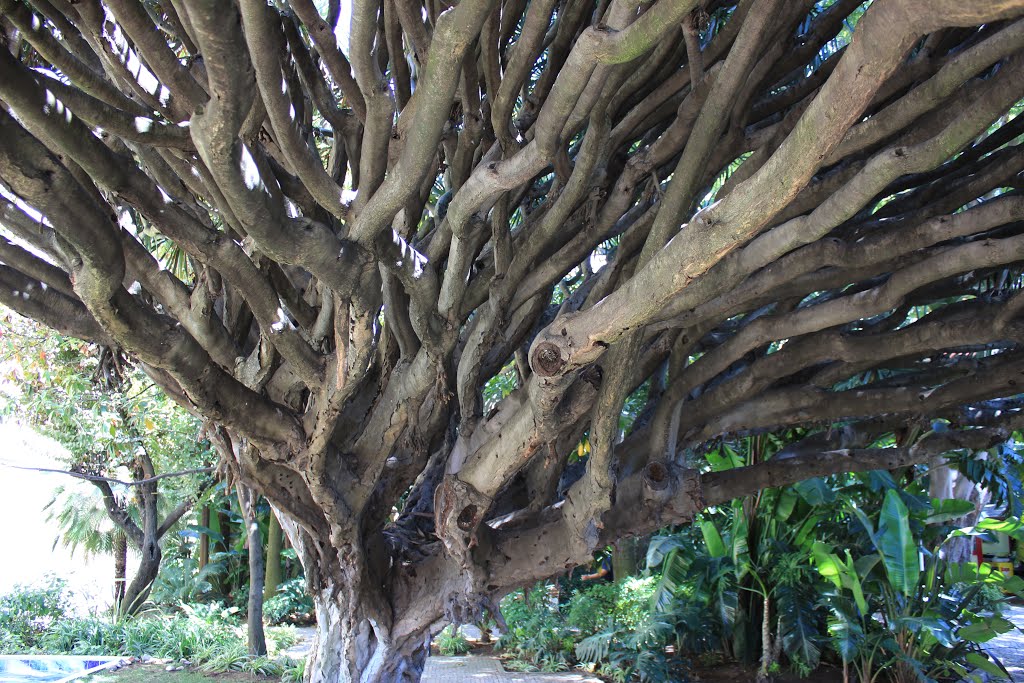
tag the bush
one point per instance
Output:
(207, 635)
(28, 611)
(290, 603)
(538, 634)
(624, 602)
(450, 642)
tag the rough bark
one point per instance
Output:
(272, 576)
(426, 268)
(120, 568)
(256, 639)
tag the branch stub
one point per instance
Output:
(547, 359)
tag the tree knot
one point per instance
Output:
(547, 359)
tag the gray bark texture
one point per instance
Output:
(405, 258)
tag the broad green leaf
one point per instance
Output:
(828, 563)
(865, 522)
(866, 564)
(897, 546)
(815, 491)
(787, 502)
(948, 509)
(1014, 585)
(1011, 526)
(1001, 625)
(880, 480)
(712, 539)
(740, 532)
(984, 630)
(797, 626)
(1007, 526)
(980, 661)
(852, 581)
(978, 632)
(724, 458)
(806, 531)
(940, 629)
(846, 636)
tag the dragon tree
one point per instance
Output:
(403, 257)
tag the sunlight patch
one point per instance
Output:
(250, 174)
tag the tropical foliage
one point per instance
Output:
(849, 570)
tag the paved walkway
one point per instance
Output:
(466, 669)
(475, 669)
(1009, 647)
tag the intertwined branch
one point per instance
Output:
(382, 219)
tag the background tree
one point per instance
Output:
(84, 524)
(796, 213)
(122, 435)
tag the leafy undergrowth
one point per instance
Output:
(204, 638)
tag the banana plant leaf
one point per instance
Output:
(897, 546)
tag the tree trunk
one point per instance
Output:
(257, 639)
(272, 578)
(120, 568)
(348, 649)
(222, 522)
(626, 558)
(138, 589)
(764, 673)
(204, 538)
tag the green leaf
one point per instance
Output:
(971, 572)
(865, 522)
(797, 626)
(851, 580)
(1010, 526)
(978, 632)
(1014, 585)
(980, 661)
(846, 637)
(897, 546)
(948, 509)
(724, 459)
(940, 629)
(879, 480)
(787, 502)
(828, 563)
(984, 630)
(712, 539)
(740, 546)
(815, 491)
(806, 531)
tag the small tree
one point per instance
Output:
(113, 425)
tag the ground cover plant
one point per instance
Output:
(466, 290)
(36, 620)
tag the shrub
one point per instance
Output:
(450, 642)
(289, 604)
(28, 611)
(624, 602)
(538, 634)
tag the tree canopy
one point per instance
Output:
(411, 260)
